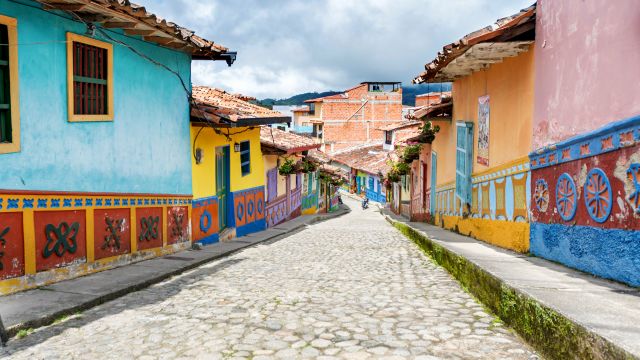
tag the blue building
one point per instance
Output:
(94, 137)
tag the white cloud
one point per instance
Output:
(291, 46)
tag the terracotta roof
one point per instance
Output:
(441, 109)
(301, 109)
(286, 141)
(319, 156)
(218, 106)
(400, 125)
(404, 137)
(508, 37)
(335, 170)
(372, 158)
(135, 20)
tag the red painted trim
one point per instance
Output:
(81, 193)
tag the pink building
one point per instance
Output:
(585, 166)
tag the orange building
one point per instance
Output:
(355, 116)
(478, 164)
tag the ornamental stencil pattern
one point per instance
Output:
(541, 195)
(598, 196)
(566, 197)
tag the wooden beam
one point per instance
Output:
(158, 39)
(63, 6)
(119, 25)
(139, 32)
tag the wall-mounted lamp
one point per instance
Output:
(199, 155)
(236, 147)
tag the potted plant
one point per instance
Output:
(287, 168)
(309, 166)
(411, 152)
(428, 132)
(402, 168)
(393, 176)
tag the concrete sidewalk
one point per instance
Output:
(42, 306)
(563, 312)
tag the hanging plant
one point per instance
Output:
(309, 166)
(428, 132)
(324, 177)
(393, 176)
(287, 168)
(402, 168)
(336, 181)
(411, 152)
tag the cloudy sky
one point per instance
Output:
(286, 47)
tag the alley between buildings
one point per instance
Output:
(352, 287)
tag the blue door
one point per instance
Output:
(434, 167)
(464, 163)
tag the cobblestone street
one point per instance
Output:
(351, 288)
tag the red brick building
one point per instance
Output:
(355, 116)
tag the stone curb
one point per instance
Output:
(50, 318)
(548, 331)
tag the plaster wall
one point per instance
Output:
(510, 86)
(586, 66)
(145, 149)
(204, 176)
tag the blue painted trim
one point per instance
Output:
(211, 239)
(571, 192)
(204, 201)
(258, 225)
(590, 176)
(592, 139)
(204, 227)
(608, 253)
(634, 173)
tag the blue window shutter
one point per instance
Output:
(464, 161)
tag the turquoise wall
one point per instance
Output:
(146, 149)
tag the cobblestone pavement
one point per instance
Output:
(351, 288)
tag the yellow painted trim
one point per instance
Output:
(12, 27)
(506, 234)
(71, 38)
(28, 230)
(132, 227)
(90, 235)
(505, 166)
(164, 226)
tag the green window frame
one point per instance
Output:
(245, 157)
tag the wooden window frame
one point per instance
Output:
(14, 88)
(71, 38)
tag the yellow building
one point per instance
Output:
(227, 166)
(479, 159)
(289, 195)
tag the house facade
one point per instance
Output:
(354, 116)
(585, 163)
(366, 164)
(288, 195)
(94, 140)
(227, 166)
(478, 162)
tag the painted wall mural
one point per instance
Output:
(79, 233)
(11, 245)
(204, 220)
(483, 130)
(499, 206)
(591, 222)
(249, 210)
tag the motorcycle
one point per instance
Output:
(365, 203)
